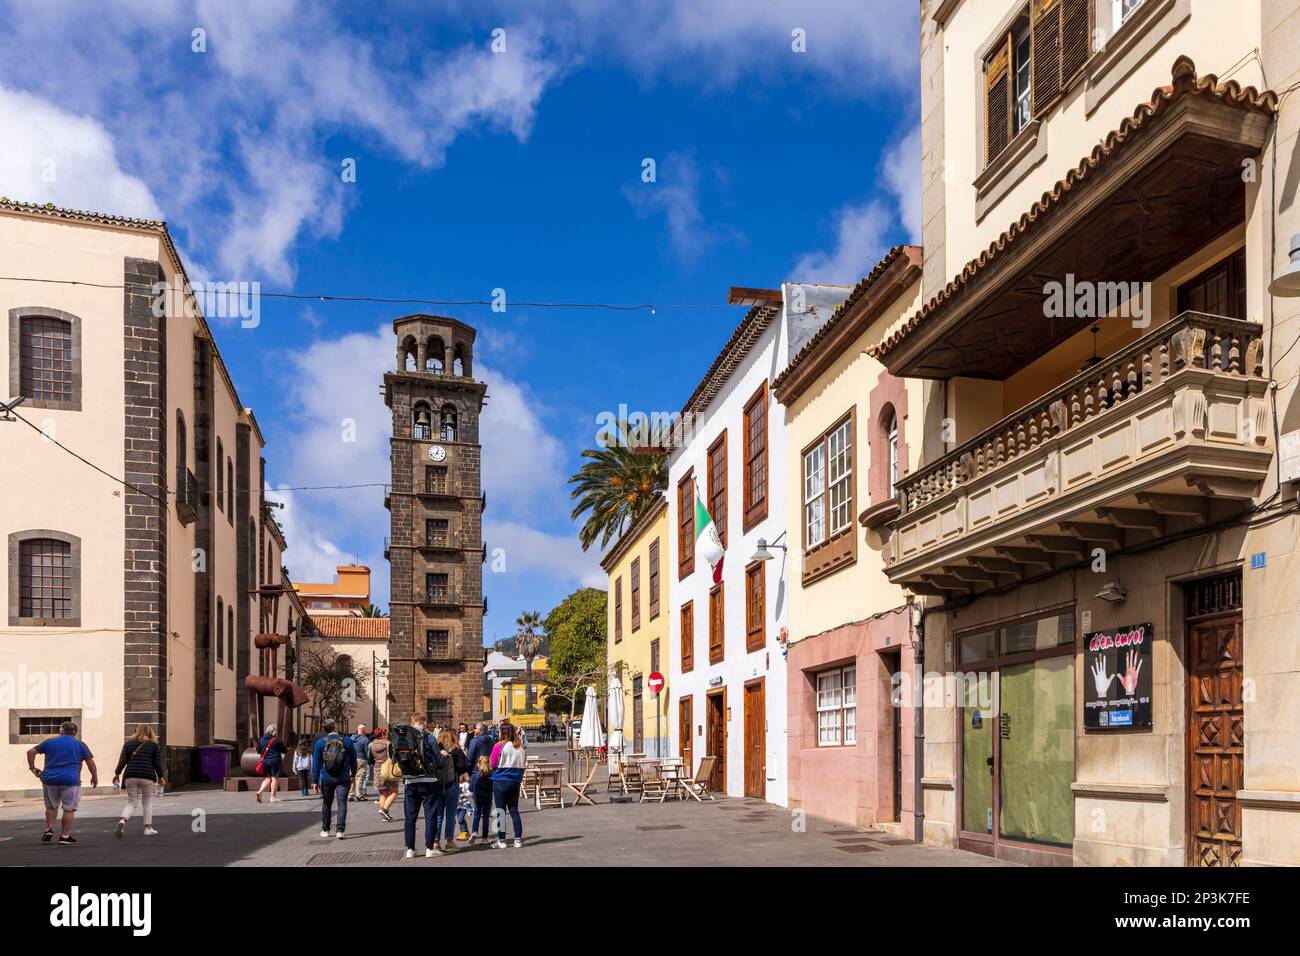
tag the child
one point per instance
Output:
(302, 767)
(463, 809)
(480, 787)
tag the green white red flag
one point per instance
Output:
(708, 544)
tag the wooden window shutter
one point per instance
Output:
(1045, 54)
(1076, 36)
(997, 99)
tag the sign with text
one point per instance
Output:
(1117, 687)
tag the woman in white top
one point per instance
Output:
(507, 774)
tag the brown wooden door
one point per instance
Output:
(685, 732)
(717, 740)
(755, 741)
(638, 718)
(1216, 735)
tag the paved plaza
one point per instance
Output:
(202, 826)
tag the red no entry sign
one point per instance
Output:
(655, 682)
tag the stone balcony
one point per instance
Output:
(1171, 432)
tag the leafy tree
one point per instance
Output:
(333, 681)
(613, 488)
(369, 610)
(577, 632)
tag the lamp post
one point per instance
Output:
(375, 664)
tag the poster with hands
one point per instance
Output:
(1117, 688)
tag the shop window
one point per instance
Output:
(837, 707)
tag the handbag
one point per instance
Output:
(259, 768)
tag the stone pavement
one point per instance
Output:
(207, 827)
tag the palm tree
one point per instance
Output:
(369, 610)
(528, 642)
(613, 488)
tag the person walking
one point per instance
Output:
(271, 764)
(480, 788)
(302, 766)
(141, 768)
(61, 778)
(333, 763)
(385, 780)
(360, 742)
(423, 790)
(507, 774)
(463, 735)
(449, 777)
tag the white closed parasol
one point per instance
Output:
(614, 710)
(591, 735)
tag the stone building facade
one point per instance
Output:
(436, 549)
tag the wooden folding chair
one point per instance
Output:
(632, 776)
(697, 786)
(580, 789)
(653, 786)
(549, 792)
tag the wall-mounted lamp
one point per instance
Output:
(1287, 283)
(1114, 593)
(763, 554)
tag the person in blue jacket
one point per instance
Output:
(333, 764)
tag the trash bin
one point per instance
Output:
(214, 762)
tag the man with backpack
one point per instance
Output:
(333, 764)
(421, 759)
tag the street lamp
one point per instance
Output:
(1287, 283)
(763, 554)
(375, 664)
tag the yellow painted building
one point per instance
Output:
(637, 638)
(512, 697)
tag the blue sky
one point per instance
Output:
(475, 170)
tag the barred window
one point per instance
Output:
(42, 726)
(45, 365)
(439, 709)
(45, 578)
(437, 644)
(435, 479)
(435, 532)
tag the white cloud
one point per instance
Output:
(675, 194)
(862, 230)
(51, 155)
(244, 130)
(859, 232)
(341, 431)
(557, 558)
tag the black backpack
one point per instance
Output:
(333, 758)
(406, 749)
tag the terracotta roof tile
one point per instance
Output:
(1185, 82)
(350, 625)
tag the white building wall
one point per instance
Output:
(766, 360)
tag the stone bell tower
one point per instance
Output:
(436, 504)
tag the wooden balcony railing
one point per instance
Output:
(1191, 340)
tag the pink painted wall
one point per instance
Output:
(852, 784)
